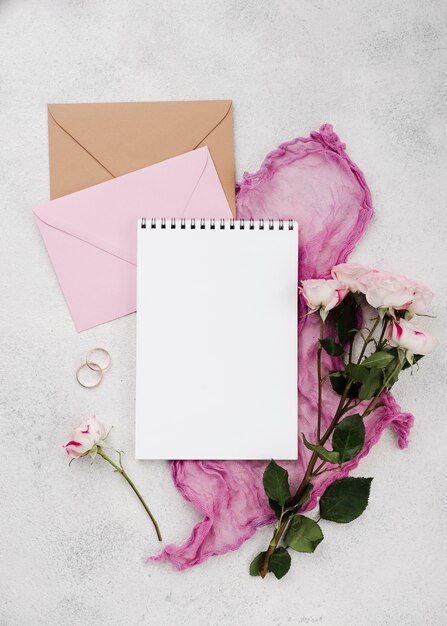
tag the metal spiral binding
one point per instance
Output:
(214, 224)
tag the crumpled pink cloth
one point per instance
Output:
(311, 180)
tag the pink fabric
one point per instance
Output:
(311, 180)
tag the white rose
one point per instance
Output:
(384, 290)
(349, 273)
(86, 436)
(323, 295)
(404, 334)
(392, 291)
(422, 297)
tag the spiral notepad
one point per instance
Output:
(217, 339)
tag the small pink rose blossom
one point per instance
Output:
(404, 334)
(85, 437)
(323, 295)
(349, 274)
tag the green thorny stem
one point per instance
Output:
(319, 377)
(119, 468)
(291, 505)
(368, 339)
(382, 341)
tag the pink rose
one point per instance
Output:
(349, 273)
(384, 290)
(404, 334)
(422, 297)
(85, 437)
(323, 295)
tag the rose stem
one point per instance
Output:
(319, 378)
(139, 496)
(263, 570)
(368, 339)
(308, 475)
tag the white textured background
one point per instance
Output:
(72, 541)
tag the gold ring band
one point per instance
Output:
(93, 365)
(96, 369)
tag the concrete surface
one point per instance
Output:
(73, 541)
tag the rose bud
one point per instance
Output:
(85, 437)
(404, 334)
(323, 295)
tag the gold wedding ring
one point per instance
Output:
(84, 383)
(98, 360)
(93, 364)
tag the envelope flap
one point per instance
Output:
(125, 137)
(105, 215)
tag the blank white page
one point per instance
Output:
(217, 340)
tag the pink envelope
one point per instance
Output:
(91, 235)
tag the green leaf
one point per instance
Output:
(276, 483)
(329, 344)
(378, 359)
(372, 385)
(349, 437)
(345, 499)
(338, 381)
(357, 373)
(276, 508)
(325, 455)
(303, 534)
(280, 562)
(391, 377)
(303, 499)
(305, 495)
(255, 565)
(346, 321)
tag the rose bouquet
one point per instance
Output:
(368, 331)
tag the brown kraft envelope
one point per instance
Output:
(92, 143)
